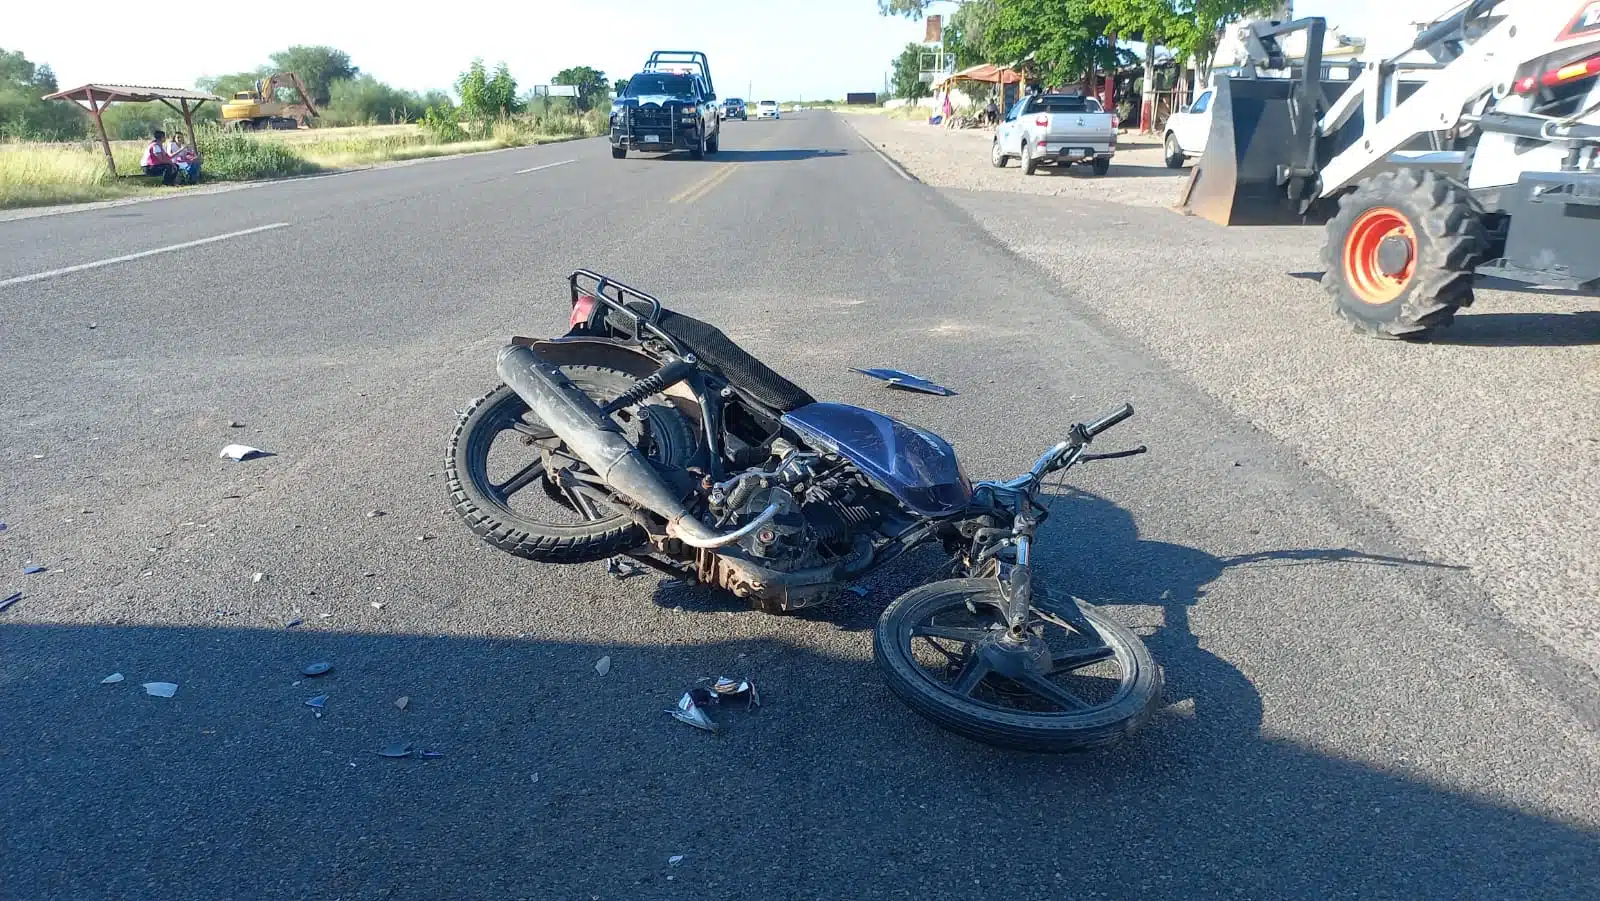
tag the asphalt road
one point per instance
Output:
(1346, 717)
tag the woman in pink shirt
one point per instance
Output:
(156, 161)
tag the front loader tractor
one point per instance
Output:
(1461, 148)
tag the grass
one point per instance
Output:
(42, 174)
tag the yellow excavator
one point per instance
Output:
(259, 108)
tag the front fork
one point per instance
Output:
(1019, 581)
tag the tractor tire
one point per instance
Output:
(1400, 254)
(1172, 154)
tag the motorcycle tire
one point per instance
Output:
(490, 516)
(1134, 703)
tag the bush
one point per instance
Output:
(368, 101)
(231, 156)
(441, 124)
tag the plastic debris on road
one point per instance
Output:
(292, 623)
(622, 568)
(258, 577)
(859, 591)
(674, 860)
(396, 749)
(318, 702)
(316, 669)
(239, 452)
(724, 687)
(161, 689)
(603, 665)
(374, 514)
(377, 605)
(6, 604)
(402, 701)
(432, 754)
(691, 709)
(112, 679)
(905, 381)
(31, 569)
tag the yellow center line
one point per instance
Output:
(703, 187)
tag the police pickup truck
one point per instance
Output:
(669, 106)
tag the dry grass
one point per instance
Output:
(41, 174)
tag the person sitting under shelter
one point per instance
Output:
(184, 158)
(157, 161)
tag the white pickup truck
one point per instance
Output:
(1056, 130)
(1186, 131)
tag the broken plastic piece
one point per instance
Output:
(603, 666)
(318, 702)
(859, 591)
(431, 754)
(161, 689)
(242, 452)
(622, 568)
(30, 570)
(316, 669)
(674, 860)
(10, 600)
(258, 577)
(397, 749)
(905, 380)
(292, 623)
(112, 679)
(691, 710)
(725, 687)
(402, 701)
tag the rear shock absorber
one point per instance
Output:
(664, 378)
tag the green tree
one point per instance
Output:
(23, 114)
(225, 86)
(1199, 24)
(591, 84)
(366, 101)
(319, 67)
(620, 87)
(908, 83)
(485, 97)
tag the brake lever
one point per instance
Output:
(1115, 455)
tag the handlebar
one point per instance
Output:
(1115, 417)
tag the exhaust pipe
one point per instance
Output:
(598, 441)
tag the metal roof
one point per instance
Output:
(131, 93)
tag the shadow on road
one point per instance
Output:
(1542, 329)
(771, 156)
(557, 782)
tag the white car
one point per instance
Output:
(767, 109)
(1186, 131)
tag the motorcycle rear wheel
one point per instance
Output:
(1069, 703)
(579, 526)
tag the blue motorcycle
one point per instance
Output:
(646, 434)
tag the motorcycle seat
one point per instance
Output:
(707, 342)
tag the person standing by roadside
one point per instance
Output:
(157, 161)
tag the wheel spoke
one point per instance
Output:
(1052, 692)
(971, 674)
(1078, 658)
(582, 498)
(525, 477)
(953, 633)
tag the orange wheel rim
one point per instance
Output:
(1367, 276)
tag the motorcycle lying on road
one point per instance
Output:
(646, 433)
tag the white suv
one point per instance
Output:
(767, 109)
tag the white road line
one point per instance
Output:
(40, 276)
(545, 166)
(885, 157)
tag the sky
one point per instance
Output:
(759, 49)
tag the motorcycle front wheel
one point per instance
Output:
(945, 651)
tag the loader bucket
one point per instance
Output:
(1253, 132)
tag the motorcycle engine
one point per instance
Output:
(820, 509)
